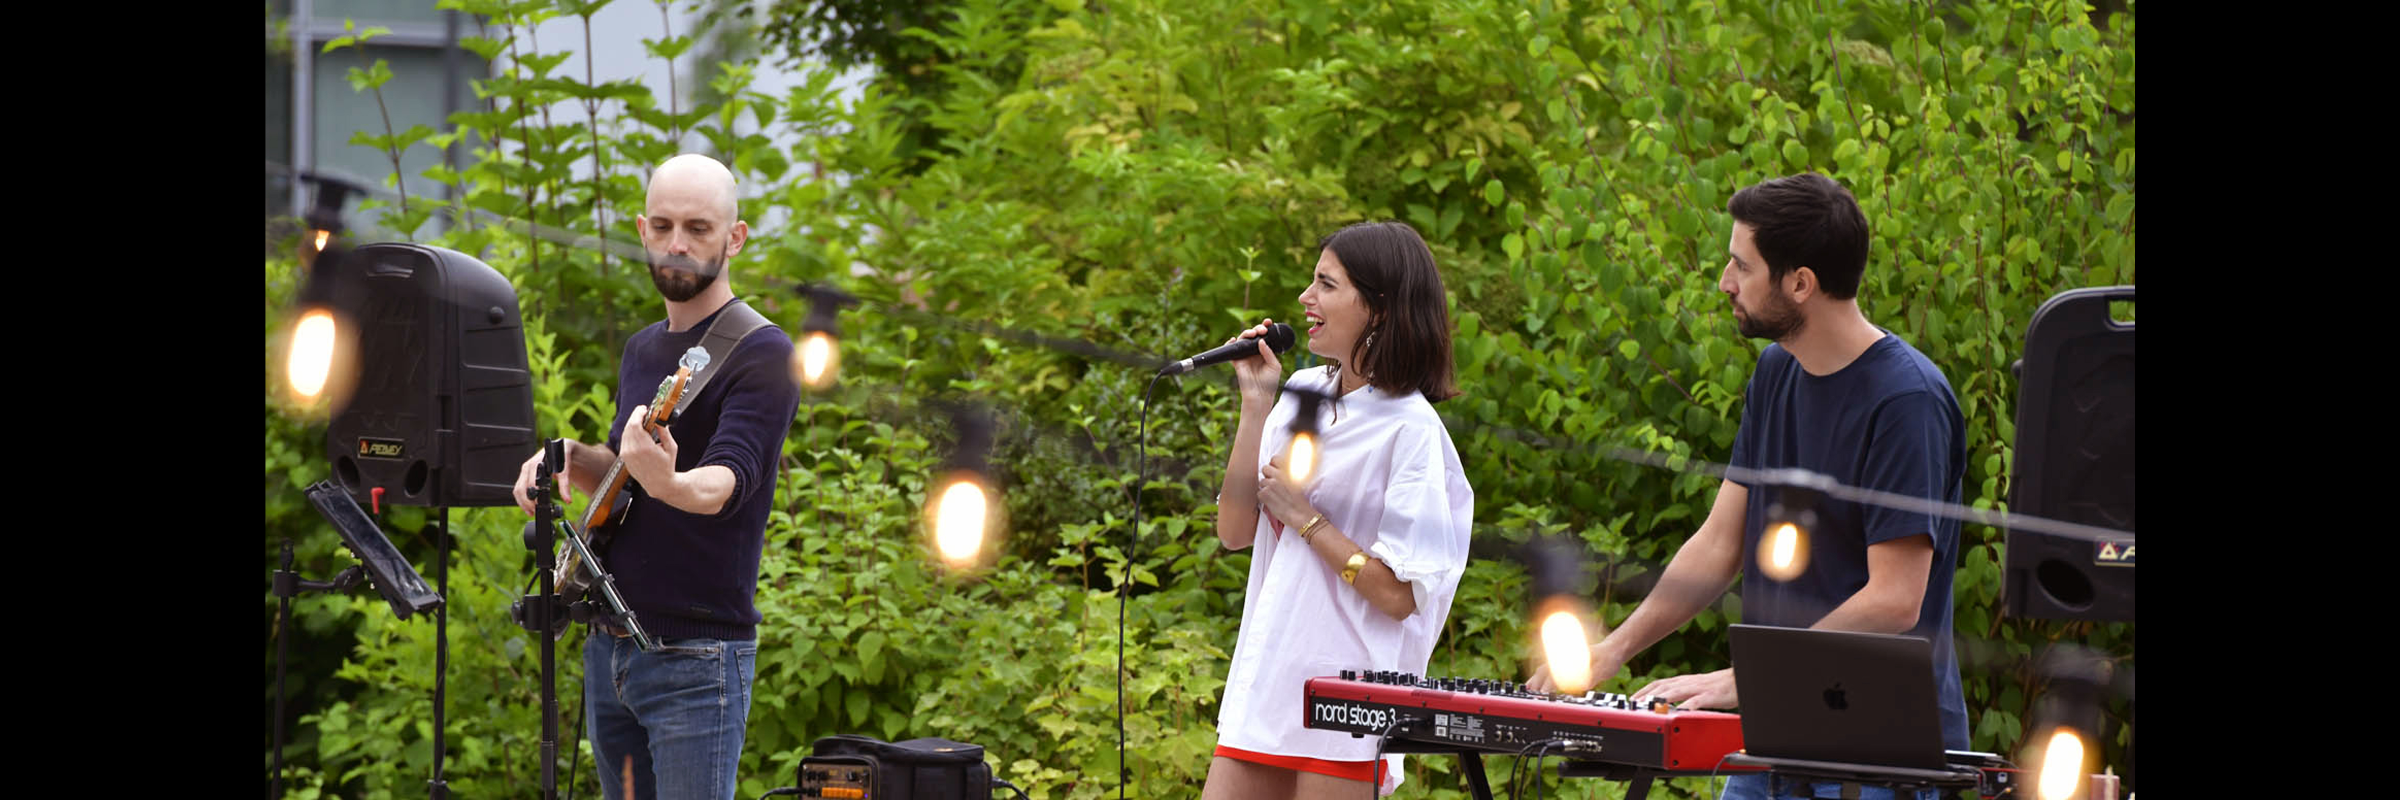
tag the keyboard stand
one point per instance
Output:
(1470, 762)
(1852, 776)
(1637, 779)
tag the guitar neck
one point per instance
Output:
(612, 482)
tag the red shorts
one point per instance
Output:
(1366, 771)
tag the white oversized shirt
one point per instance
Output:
(1390, 480)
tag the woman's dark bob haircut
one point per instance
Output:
(1407, 344)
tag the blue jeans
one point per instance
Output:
(1754, 787)
(678, 711)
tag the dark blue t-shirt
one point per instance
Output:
(692, 576)
(1887, 421)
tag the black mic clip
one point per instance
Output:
(523, 613)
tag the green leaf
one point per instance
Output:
(855, 702)
(1795, 154)
(1843, 152)
(669, 48)
(1514, 245)
(1629, 348)
(870, 646)
(485, 47)
(1683, 222)
(1494, 193)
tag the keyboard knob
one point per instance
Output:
(1349, 674)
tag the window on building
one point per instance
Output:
(312, 113)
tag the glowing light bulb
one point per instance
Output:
(1568, 651)
(959, 520)
(1303, 461)
(1783, 552)
(820, 359)
(321, 237)
(311, 358)
(2062, 765)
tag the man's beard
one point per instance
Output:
(681, 278)
(1776, 319)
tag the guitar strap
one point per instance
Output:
(737, 321)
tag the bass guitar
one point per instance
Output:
(611, 502)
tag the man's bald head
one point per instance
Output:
(692, 227)
(693, 183)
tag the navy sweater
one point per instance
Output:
(689, 575)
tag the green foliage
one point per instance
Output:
(1147, 174)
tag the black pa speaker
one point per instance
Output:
(2074, 461)
(442, 413)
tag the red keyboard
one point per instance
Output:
(1501, 717)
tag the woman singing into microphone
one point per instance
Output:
(1356, 562)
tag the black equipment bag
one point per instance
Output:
(929, 768)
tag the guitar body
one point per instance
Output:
(611, 502)
(598, 538)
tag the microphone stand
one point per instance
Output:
(538, 612)
(546, 614)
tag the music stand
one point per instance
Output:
(379, 564)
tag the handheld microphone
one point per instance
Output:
(1278, 337)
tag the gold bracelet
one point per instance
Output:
(1311, 528)
(1350, 568)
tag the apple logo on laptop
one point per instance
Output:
(1834, 699)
